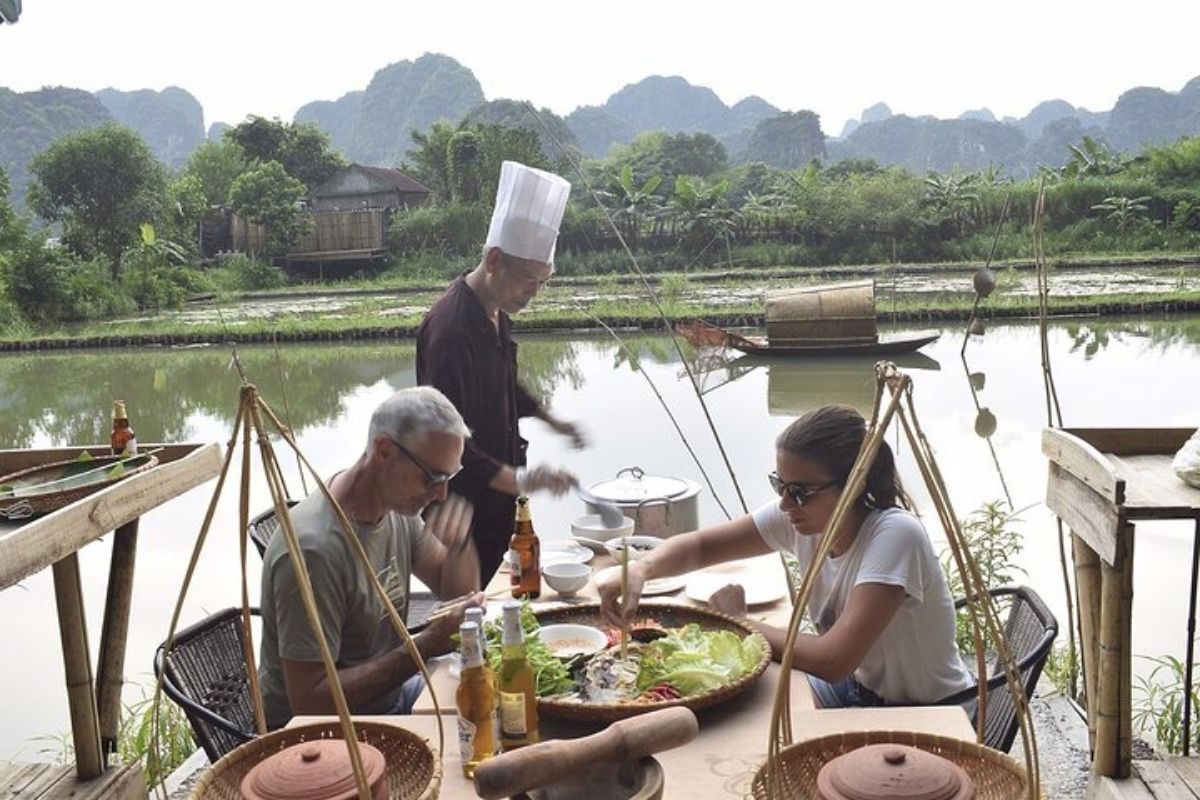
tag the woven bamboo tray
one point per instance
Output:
(412, 773)
(996, 775)
(669, 616)
(34, 503)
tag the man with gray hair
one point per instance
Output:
(414, 447)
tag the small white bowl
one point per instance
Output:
(591, 531)
(566, 578)
(568, 640)
(639, 545)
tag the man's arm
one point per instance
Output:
(444, 554)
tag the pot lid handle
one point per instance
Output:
(636, 472)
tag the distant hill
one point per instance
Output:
(30, 121)
(374, 127)
(171, 121)
(516, 114)
(661, 103)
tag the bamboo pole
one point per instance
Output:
(1108, 681)
(1087, 584)
(260, 717)
(251, 400)
(1125, 700)
(81, 695)
(113, 635)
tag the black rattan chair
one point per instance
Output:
(265, 525)
(205, 674)
(1030, 630)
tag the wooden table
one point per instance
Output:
(733, 738)
(30, 546)
(721, 762)
(1102, 481)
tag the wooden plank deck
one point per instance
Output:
(1174, 778)
(58, 782)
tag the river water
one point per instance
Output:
(1122, 373)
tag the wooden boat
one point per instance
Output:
(702, 334)
(829, 320)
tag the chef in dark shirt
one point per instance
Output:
(465, 349)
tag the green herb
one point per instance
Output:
(550, 673)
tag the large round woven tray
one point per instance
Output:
(669, 616)
(412, 771)
(996, 776)
(34, 503)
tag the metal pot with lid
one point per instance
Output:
(658, 506)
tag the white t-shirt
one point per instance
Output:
(915, 660)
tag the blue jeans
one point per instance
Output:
(410, 690)
(847, 692)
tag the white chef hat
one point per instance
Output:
(529, 208)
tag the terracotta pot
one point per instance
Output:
(893, 771)
(315, 770)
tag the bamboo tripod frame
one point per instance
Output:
(982, 611)
(252, 409)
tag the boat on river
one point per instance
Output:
(828, 320)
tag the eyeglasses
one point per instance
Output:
(799, 492)
(433, 479)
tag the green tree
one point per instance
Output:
(429, 162)
(216, 164)
(465, 165)
(101, 184)
(1123, 211)
(1092, 158)
(146, 265)
(701, 213)
(634, 203)
(301, 148)
(951, 196)
(269, 196)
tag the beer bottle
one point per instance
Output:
(516, 685)
(475, 701)
(525, 555)
(123, 440)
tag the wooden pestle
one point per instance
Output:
(548, 762)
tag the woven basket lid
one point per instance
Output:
(315, 770)
(893, 771)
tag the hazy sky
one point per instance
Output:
(939, 57)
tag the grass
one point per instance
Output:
(571, 304)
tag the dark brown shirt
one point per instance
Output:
(473, 363)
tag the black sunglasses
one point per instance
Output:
(433, 479)
(799, 493)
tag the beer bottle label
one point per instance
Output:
(514, 562)
(466, 739)
(512, 715)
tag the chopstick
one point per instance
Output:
(450, 606)
(624, 598)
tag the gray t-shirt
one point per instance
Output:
(352, 617)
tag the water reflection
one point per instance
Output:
(1143, 374)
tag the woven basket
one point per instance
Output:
(413, 773)
(669, 616)
(996, 776)
(36, 504)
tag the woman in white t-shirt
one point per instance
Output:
(881, 605)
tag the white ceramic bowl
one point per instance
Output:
(591, 532)
(566, 578)
(567, 640)
(639, 546)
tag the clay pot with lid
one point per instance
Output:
(893, 771)
(316, 770)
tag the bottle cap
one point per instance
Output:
(513, 634)
(119, 409)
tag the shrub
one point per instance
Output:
(246, 273)
(454, 229)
